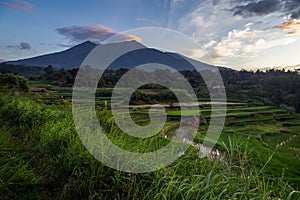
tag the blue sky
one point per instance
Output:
(239, 34)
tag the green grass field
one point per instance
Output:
(42, 156)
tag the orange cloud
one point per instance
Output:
(289, 25)
(294, 32)
(127, 37)
(292, 26)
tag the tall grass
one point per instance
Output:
(43, 158)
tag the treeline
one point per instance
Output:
(272, 87)
(21, 70)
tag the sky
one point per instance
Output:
(248, 34)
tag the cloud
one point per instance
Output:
(292, 8)
(21, 46)
(141, 19)
(177, 1)
(209, 44)
(19, 5)
(242, 45)
(1, 59)
(125, 37)
(294, 32)
(289, 25)
(64, 45)
(93, 32)
(24, 46)
(239, 33)
(79, 33)
(292, 27)
(259, 8)
(250, 8)
(57, 44)
(209, 19)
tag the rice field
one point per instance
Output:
(42, 156)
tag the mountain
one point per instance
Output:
(73, 57)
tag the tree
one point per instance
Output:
(49, 69)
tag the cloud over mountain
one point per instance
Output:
(92, 32)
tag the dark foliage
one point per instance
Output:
(10, 82)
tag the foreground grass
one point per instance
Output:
(43, 158)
